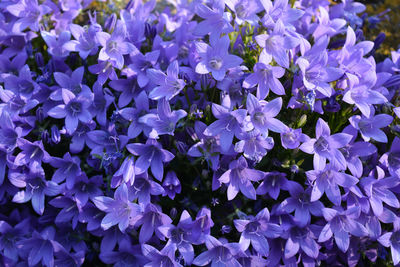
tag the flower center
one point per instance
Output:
(252, 227)
(259, 117)
(321, 144)
(75, 107)
(241, 10)
(394, 160)
(215, 63)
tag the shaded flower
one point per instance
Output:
(74, 109)
(262, 115)
(341, 223)
(119, 210)
(164, 122)
(255, 230)
(168, 85)
(151, 155)
(215, 58)
(370, 127)
(239, 178)
(265, 77)
(171, 185)
(327, 180)
(227, 125)
(114, 45)
(326, 146)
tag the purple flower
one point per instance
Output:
(392, 240)
(80, 137)
(216, 20)
(22, 84)
(104, 71)
(215, 58)
(9, 133)
(40, 247)
(370, 127)
(255, 230)
(68, 168)
(327, 180)
(133, 115)
(171, 185)
(207, 147)
(181, 236)
(86, 189)
(263, 116)
(141, 63)
(32, 154)
(341, 223)
(300, 202)
(85, 40)
(168, 86)
(127, 254)
(378, 192)
(218, 253)
(114, 45)
(29, 13)
(150, 155)
(143, 188)
(265, 77)
(165, 257)
(273, 183)
(254, 145)
(151, 220)
(326, 146)
(164, 122)
(227, 125)
(202, 225)
(301, 238)
(71, 82)
(353, 151)
(291, 138)
(276, 44)
(69, 210)
(56, 43)
(101, 101)
(391, 159)
(74, 109)
(119, 210)
(126, 173)
(10, 236)
(364, 98)
(245, 10)
(239, 178)
(315, 71)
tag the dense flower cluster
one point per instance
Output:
(221, 132)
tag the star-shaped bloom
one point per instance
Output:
(326, 146)
(151, 155)
(276, 44)
(265, 77)
(227, 125)
(370, 127)
(328, 180)
(119, 210)
(114, 45)
(262, 115)
(215, 58)
(392, 240)
(341, 223)
(164, 122)
(74, 109)
(168, 85)
(256, 230)
(239, 178)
